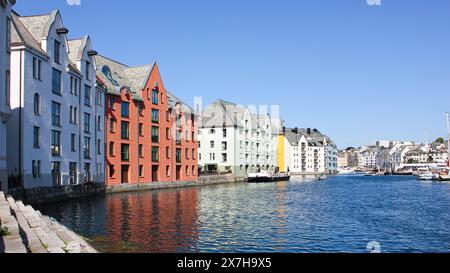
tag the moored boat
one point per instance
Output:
(266, 177)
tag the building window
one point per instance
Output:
(36, 137)
(193, 170)
(87, 123)
(224, 132)
(37, 68)
(98, 98)
(112, 171)
(8, 34)
(199, 144)
(211, 144)
(125, 152)
(111, 149)
(178, 155)
(224, 158)
(87, 147)
(99, 123)
(37, 104)
(155, 154)
(141, 150)
(56, 81)
(99, 147)
(167, 133)
(56, 173)
(167, 152)
(112, 125)
(56, 143)
(56, 114)
(125, 109)
(73, 173)
(140, 109)
(141, 171)
(36, 169)
(73, 143)
(87, 172)
(155, 134)
(73, 115)
(155, 116)
(57, 51)
(178, 138)
(186, 153)
(167, 116)
(167, 171)
(87, 95)
(141, 129)
(155, 97)
(88, 71)
(111, 103)
(125, 131)
(193, 154)
(74, 86)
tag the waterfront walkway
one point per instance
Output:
(25, 230)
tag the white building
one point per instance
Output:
(56, 130)
(232, 139)
(5, 80)
(305, 151)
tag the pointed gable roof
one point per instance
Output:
(116, 76)
(21, 36)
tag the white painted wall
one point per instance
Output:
(21, 152)
(5, 110)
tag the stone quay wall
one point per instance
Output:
(25, 230)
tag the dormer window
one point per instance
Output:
(57, 51)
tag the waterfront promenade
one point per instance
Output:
(25, 230)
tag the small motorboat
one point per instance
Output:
(426, 176)
(266, 177)
(323, 177)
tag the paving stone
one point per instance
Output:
(73, 247)
(13, 245)
(56, 250)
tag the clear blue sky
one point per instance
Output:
(359, 73)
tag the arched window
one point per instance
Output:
(212, 131)
(37, 104)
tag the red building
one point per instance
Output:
(150, 134)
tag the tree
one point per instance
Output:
(440, 140)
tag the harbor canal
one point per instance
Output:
(341, 214)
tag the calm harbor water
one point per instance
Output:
(342, 214)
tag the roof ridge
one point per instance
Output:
(112, 60)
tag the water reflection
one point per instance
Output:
(341, 214)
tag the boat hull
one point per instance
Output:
(263, 179)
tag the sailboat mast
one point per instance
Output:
(448, 139)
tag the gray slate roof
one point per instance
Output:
(315, 138)
(116, 75)
(21, 35)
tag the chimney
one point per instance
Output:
(309, 131)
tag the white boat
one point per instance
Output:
(426, 176)
(266, 177)
(345, 171)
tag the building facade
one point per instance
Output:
(307, 151)
(234, 140)
(55, 130)
(150, 134)
(5, 86)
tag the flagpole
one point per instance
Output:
(448, 140)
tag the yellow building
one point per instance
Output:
(280, 153)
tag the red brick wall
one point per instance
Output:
(188, 164)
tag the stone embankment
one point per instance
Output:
(25, 230)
